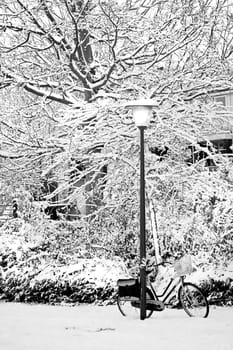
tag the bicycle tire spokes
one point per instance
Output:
(193, 301)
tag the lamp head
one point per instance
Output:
(142, 111)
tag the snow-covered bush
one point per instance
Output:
(58, 261)
(90, 280)
(49, 268)
(216, 281)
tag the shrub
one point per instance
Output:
(50, 268)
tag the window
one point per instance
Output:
(222, 146)
(220, 99)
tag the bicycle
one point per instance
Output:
(190, 296)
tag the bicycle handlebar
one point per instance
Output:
(148, 271)
(163, 263)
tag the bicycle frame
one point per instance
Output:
(167, 291)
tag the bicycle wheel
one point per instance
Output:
(193, 300)
(130, 306)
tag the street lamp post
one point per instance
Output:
(142, 111)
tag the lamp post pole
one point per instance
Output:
(142, 228)
(142, 112)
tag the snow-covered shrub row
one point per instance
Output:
(216, 281)
(52, 265)
(32, 269)
(90, 281)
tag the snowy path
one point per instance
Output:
(40, 327)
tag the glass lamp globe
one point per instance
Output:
(142, 111)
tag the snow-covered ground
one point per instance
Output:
(41, 327)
